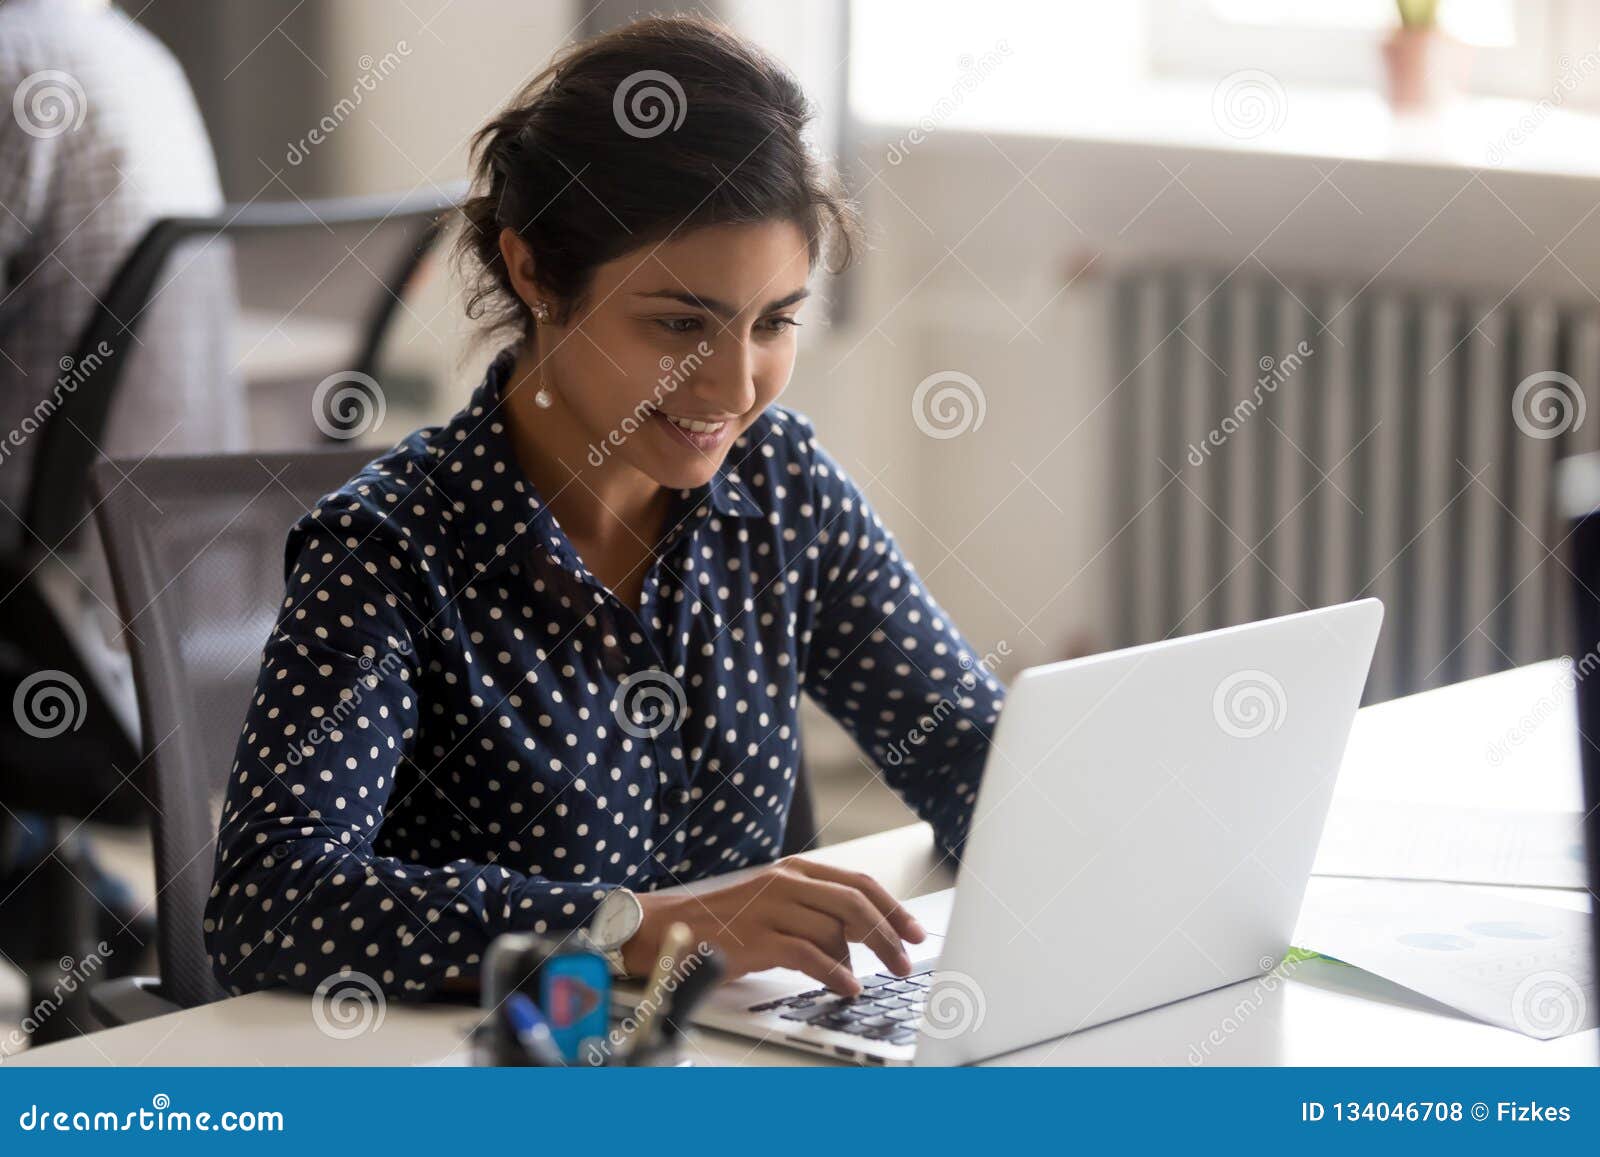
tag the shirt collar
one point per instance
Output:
(474, 463)
(727, 493)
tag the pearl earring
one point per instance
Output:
(542, 398)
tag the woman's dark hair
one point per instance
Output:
(632, 138)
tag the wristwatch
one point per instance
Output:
(613, 924)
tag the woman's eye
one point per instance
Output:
(684, 325)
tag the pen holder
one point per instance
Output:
(513, 970)
(495, 1045)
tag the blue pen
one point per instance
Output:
(531, 1029)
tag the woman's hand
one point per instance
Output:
(791, 914)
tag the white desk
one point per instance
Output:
(1430, 747)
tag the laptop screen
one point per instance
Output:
(1579, 495)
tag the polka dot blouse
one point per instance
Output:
(459, 731)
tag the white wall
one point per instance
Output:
(455, 63)
(1016, 242)
(461, 62)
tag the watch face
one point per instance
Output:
(615, 920)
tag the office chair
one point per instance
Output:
(349, 260)
(339, 267)
(196, 551)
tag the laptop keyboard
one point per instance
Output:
(888, 1009)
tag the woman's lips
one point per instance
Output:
(702, 435)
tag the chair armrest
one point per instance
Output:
(128, 999)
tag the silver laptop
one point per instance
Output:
(1144, 832)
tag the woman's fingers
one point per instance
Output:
(806, 957)
(861, 919)
(903, 922)
(820, 928)
(803, 915)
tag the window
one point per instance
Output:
(1144, 69)
(1512, 44)
(1010, 63)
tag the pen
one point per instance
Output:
(701, 971)
(691, 990)
(674, 943)
(531, 1030)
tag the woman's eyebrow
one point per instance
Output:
(719, 308)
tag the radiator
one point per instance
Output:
(1284, 446)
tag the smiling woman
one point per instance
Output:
(543, 661)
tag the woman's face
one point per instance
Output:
(679, 347)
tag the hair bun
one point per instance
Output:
(559, 167)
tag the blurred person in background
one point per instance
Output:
(99, 138)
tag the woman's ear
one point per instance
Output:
(517, 255)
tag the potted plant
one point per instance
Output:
(1423, 64)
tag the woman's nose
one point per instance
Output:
(725, 378)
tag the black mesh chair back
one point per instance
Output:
(208, 321)
(239, 317)
(196, 547)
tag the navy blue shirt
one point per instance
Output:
(459, 731)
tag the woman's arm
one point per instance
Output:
(299, 892)
(886, 661)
